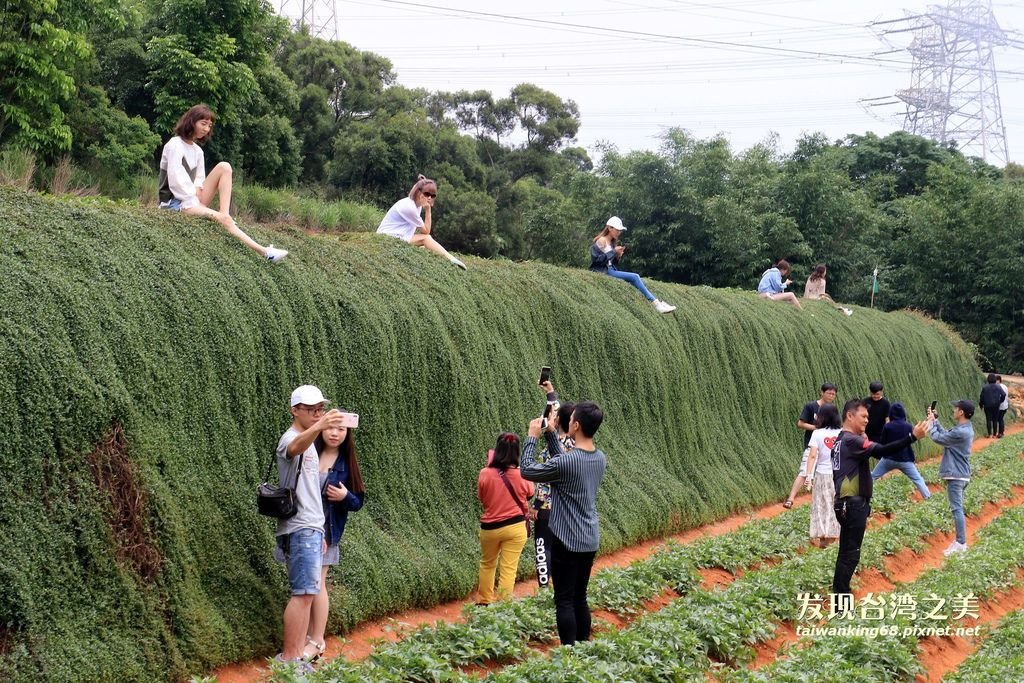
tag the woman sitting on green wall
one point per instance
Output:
(605, 254)
(185, 187)
(343, 492)
(403, 219)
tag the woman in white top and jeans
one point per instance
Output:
(185, 187)
(403, 219)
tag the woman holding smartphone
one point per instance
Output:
(605, 254)
(341, 485)
(403, 219)
(503, 494)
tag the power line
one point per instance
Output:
(706, 42)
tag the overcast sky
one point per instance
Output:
(743, 68)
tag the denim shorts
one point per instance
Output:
(303, 552)
(174, 204)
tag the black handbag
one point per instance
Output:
(277, 501)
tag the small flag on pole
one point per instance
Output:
(874, 286)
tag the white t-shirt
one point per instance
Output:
(307, 492)
(1005, 405)
(186, 170)
(824, 440)
(401, 220)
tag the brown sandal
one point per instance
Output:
(788, 504)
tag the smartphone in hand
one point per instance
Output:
(350, 420)
(545, 375)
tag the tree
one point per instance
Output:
(212, 57)
(354, 80)
(105, 138)
(41, 44)
(548, 121)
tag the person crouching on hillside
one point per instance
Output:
(772, 286)
(896, 428)
(300, 538)
(403, 219)
(342, 492)
(503, 494)
(185, 187)
(605, 255)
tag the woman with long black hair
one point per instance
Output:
(342, 490)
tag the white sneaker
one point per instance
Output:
(847, 311)
(456, 262)
(662, 307)
(954, 548)
(275, 255)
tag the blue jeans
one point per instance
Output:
(907, 468)
(633, 279)
(955, 491)
(303, 552)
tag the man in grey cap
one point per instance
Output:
(955, 467)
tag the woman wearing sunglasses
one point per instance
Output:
(403, 219)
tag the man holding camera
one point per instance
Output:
(300, 538)
(574, 477)
(955, 467)
(851, 471)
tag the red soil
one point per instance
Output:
(359, 643)
(941, 655)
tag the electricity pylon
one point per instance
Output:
(954, 89)
(319, 16)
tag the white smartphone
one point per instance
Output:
(350, 420)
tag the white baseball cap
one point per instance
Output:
(308, 395)
(615, 222)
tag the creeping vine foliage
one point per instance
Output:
(166, 325)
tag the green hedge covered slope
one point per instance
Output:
(146, 361)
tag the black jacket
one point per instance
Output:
(991, 396)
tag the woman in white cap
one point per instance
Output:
(605, 255)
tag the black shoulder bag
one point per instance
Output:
(278, 501)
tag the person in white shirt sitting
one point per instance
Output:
(185, 187)
(404, 220)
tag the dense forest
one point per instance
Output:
(101, 83)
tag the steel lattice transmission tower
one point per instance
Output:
(320, 16)
(954, 91)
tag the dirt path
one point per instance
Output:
(360, 642)
(903, 567)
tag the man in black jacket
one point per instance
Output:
(991, 398)
(851, 471)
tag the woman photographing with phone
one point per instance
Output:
(605, 254)
(342, 490)
(772, 286)
(403, 219)
(503, 494)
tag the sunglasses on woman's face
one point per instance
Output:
(432, 195)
